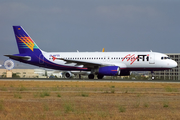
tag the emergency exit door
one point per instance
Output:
(151, 58)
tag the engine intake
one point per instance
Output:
(68, 74)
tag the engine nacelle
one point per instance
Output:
(68, 74)
(109, 70)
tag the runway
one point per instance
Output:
(88, 80)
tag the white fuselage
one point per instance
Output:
(125, 60)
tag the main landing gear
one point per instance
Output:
(100, 76)
(79, 76)
(91, 76)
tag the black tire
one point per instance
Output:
(91, 76)
(100, 76)
(79, 76)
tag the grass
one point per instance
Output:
(46, 107)
(146, 105)
(84, 94)
(112, 90)
(17, 95)
(106, 91)
(58, 113)
(165, 104)
(21, 88)
(170, 89)
(68, 107)
(102, 114)
(137, 104)
(121, 108)
(58, 95)
(55, 88)
(36, 94)
(112, 86)
(86, 100)
(41, 94)
(44, 93)
(4, 88)
(1, 105)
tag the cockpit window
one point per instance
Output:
(164, 58)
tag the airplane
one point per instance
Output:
(98, 64)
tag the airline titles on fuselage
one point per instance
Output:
(133, 58)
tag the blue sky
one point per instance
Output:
(90, 25)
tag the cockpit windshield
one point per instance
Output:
(164, 58)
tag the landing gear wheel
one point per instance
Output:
(152, 75)
(91, 76)
(100, 76)
(79, 76)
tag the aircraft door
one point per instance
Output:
(151, 58)
(41, 59)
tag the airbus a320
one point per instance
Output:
(98, 64)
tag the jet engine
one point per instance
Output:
(68, 74)
(109, 70)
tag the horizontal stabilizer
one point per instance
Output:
(19, 57)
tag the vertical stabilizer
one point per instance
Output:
(24, 42)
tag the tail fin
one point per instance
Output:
(24, 42)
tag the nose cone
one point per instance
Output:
(173, 64)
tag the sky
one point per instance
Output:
(90, 25)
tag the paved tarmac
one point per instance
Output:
(88, 80)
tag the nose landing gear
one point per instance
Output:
(152, 75)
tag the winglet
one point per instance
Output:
(103, 50)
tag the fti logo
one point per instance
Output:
(132, 58)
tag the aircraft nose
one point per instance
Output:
(173, 64)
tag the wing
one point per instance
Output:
(85, 64)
